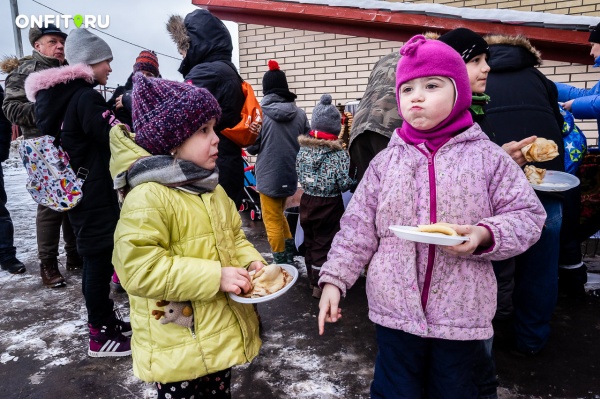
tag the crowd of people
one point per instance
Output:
(437, 137)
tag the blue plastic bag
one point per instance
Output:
(574, 141)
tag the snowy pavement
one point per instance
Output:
(43, 334)
(43, 338)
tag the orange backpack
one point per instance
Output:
(240, 134)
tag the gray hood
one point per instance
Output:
(278, 109)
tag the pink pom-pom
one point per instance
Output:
(273, 65)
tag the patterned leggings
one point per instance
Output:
(216, 385)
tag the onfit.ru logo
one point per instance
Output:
(63, 21)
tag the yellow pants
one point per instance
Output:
(276, 224)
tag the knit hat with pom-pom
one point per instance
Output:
(166, 113)
(147, 61)
(274, 79)
(326, 117)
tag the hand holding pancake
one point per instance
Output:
(234, 279)
(479, 236)
(541, 150)
(513, 148)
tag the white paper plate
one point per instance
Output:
(288, 268)
(413, 234)
(556, 181)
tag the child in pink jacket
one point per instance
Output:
(431, 303)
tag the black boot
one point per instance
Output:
(290, 250)
(74, 261)
(571, 282)
(13, 266)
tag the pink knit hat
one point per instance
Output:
(421, 58)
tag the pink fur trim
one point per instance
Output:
(51, 77)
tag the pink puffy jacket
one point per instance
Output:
(418, 288)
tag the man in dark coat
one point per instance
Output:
(8, 259)
(523, 104)
(48, 52)
(205, 43)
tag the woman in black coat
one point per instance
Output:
(67, 103)
(205, 43)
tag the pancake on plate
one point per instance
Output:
(440, 227)
(534, 175)
(267, 281)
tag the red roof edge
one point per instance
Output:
(554, 44)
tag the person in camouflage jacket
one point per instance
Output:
(322, 166)
(376, 117)
(48, 44)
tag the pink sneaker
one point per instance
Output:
(116, 283)
(108, 341)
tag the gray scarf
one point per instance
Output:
(168, 171)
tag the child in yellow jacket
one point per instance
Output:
(179, 239)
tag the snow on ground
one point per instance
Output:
(58, 339)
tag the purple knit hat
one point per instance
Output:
(166, 113)
(421, 58)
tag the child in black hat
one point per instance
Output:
(277, 147)
(322, 165)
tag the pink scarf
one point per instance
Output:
(457, 122)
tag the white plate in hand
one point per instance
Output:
(556, 181)
(411, 233)
(288, 268)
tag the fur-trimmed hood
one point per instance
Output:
(178, 33)
(51, 77)
(308, 141)
(431, 35)
(204, 37)
(9, 63)
(511, 52)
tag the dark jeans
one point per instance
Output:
(412, 367)
(7, 248)
(48, 225)
(570, 241)
(95, 285)
(536, 283)
(216, 385)
(484, 371)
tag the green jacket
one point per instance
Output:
(170, 245)
(17, 108)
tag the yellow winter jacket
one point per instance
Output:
(170, 245)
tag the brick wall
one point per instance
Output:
(317, 63)
(314, 62)
(570, 7)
